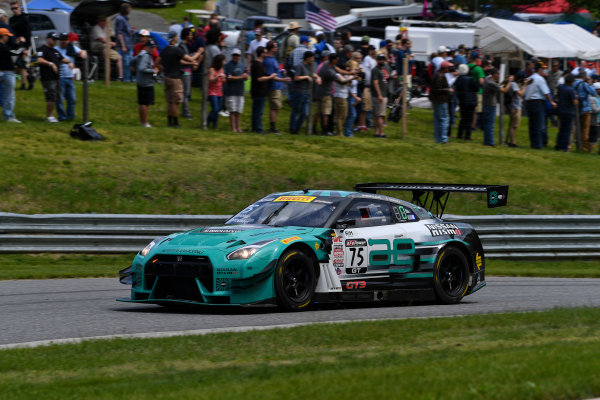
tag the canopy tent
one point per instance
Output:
(573, 36)
(504, 36)
(48, 5)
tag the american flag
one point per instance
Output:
(319, 16)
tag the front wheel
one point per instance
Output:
(451, 275)
(295, 280)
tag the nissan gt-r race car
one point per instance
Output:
(315, 246)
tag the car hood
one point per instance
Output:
(230, 237)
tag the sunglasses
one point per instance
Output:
(15, 8)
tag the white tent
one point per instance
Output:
(505, 36)
(573, 36)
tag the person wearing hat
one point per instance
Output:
(170, 61)
(536, 94)
(143, 36)
(437, 61)
(440, 97)
(324, 93)
(259, 41)
(250, 36)
(98, 42)
(49, 60)
(21, 28)
(297, 55)
(380, 79)
(290, 42)
(7, 78)
(276, 83)
(321, 46)
(236, 75)
(68, 51)
(145, 70)
(304, 79)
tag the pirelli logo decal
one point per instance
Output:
(300, 199)
(290, 239)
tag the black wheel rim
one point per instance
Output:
(296, 281)
(452, 275)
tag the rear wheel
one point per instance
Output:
(451, 275)
(295, 280)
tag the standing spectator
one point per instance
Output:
(491, 90)
(213, 39)
(251, 35)
(340, 100)
(68, 51)
(98, 40)
(583, 66)
(143, 37)
(535, 94)
(276, 83)
(567, 101)
(583, 90)
(175, 27)
(466, 91)
(451, 76)
(297, 55)
(403, 50)
(170, 61)
(125, 40)
(303, 79)
(187, 45)
(478, 76)
(19, 23)
(324, 92)
(145, 71)
(321, 46)
(552, 77)
(440, 58)
(367, 104)
(236, 75)
(353, 98)
(260, 41)
(7, 78)
(515, 107)
(216, 78)
(259, 89)
(460, 57)
(380, 76)
(186, 23)
(49, 60)
(595, 120)
(290, 42)
(439, 97)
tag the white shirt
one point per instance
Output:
(368, 64)
(341, 89)
(588, 71)
(437, 61)
(255, 44)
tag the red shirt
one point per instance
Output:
(139, 46)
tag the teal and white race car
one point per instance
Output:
(297, 248)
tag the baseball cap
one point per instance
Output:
(325, 53)
(443, 49)
(258, 31)
(64, 36)
(317, 33)
(236, 51)
(144, 32)
(172, 35)
(383, 43)
(150, 43)
(381, 56)
(303, 39)
(365, 38)
(348, 47)
(52, 35)
(5, 32)
(3, 13)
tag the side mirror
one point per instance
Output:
(344, 223)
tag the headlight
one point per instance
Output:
(246, 252)
(153, 243)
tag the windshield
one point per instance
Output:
(271, 212)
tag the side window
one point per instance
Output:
(404, 214)
(369, 213)
(40, 22)
(290, 10)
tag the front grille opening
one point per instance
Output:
(177, 276)
(177, 289)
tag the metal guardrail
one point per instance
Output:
(503, 236)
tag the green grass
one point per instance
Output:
(546, 355)
(178, 12)
(50, 266)
(195, 171)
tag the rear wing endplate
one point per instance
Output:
(434, 196)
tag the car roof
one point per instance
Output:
(343, 194)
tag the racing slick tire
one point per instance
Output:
(295, 280)
(451, 275)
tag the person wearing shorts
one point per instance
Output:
(49, 60)
(144, 76)
(236, 74)
(276, 83)
(380, 77)
(170, 61)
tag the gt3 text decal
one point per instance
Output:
(301, 199)
(290, 239)
(356, 285)
(443, 229)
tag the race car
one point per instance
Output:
(297, 248)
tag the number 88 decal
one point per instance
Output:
(389, 256)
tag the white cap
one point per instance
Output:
(596, 85)
(443, 49)
(144, 32)
(318, 33)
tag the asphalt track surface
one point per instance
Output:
(39, 310)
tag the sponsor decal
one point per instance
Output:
(178, 250)
(220, 230)
(356, 285)
(478, 261)
(338, 253)
(226, 271)
(348, 233)
(443, 229)
(338, 247)
(338, 261)
(290, 239)
(301, 199)
(356, 270)
(356, 242)
(338, 271)
(337, 239)
(316, 246)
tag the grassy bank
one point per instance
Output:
(190, 170)
(547, 355)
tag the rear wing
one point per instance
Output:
(434, 196)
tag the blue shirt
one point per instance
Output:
(400, 55)
(122, 27)
(538, 89)
(272, 66)
(64, 70)
(583, 90)
(459, 59)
